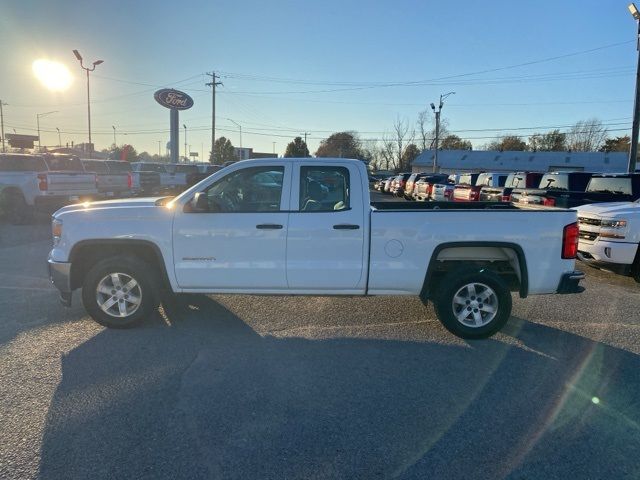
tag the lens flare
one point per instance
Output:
(53, 75)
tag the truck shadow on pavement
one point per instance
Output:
(207, 397)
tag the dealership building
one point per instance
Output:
(452, 161)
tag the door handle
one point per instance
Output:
(269, 226)
(346, 226)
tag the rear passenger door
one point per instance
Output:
(325, 241)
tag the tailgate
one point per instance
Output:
(70, 183)
(113, 181)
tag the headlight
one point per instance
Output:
(56, 230)
(614, 223)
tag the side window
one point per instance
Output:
(324, 189)
(255, 189)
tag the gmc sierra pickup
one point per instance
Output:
(307, 227)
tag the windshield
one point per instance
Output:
(149, 167)
(95, 166)
(22, 163)
(618, 185)
(118, 167)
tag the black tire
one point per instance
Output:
(148, 290)
(16, 208)
(635, 267)
(458, 282)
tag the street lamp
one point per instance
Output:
(59, 140)
(115, 144)
(633, 150)
(437, 112)
(185, 141)
(87, 69)
(38, 115)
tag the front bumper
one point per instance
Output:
(607, 251)
(60, 276)
(570, 282)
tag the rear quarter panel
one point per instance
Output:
(402, 243)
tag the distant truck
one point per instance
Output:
(114, 178)
(30, 183)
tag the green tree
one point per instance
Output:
(509, 142)
(409, 155)
(296, 149)
(554, 141)
(222, 151)
(618, 144)
(125, 152)
(343, 145)
(454, 142)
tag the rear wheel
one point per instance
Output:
(473, 304)
(635, 267)
(119, 292)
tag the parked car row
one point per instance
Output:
(30, 183)
(554, 189)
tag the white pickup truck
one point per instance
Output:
(610, 234)
(42, 182)
(307, 227)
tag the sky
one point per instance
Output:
(290, 67)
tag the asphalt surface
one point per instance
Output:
(280, 387)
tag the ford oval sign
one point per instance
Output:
(170, 98)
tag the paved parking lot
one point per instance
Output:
(283, 387)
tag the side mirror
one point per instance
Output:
(200, 203)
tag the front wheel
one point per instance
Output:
(473, 304)
(119, 292)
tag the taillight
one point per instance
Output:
(402, 183)
(505, 198)
(570, 241)
(42, 182)
(429, 188)
(474, 194)
(549, 202)
(129, 180)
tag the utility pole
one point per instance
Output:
(114, 136)
(213, 83)
(305, 136)
(159, 142)
(2, 125)
(38, 115)
(59, 140)
(437, 139)
(274, 147)
(633, 150)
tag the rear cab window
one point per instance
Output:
(621, 185)
(324, 189)
(119, 167)
(64, 163)
(95, 166)
(554, 182)
(468, 179)
(22, 163)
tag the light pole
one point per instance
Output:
(185, 142)
(87, 69)
(633, 150)
(437, 112)
(2, 124)
(115, 144)
(38, 115)
(59, 140)
(159, 141)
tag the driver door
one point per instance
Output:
(239, 242)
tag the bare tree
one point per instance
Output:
(385, 154)
(424, 129)
(587, 135)
(402, 137)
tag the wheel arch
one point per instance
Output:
(520, 269)
(87, 253)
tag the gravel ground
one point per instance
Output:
(284, 387)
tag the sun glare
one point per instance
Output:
(53, 75)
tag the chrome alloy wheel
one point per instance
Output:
(475, 305)
(118, 295)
